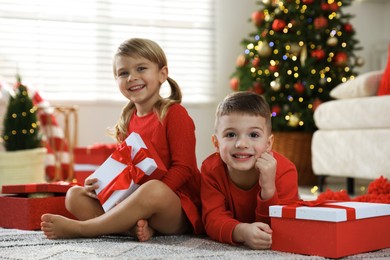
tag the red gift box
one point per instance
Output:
(24, 210)
(134, 162)
(88, 159)
(95, 154)
(332, 229)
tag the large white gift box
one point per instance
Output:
(133, 163)
(330, 229)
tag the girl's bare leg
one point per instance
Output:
(152, 201)
(81, 205)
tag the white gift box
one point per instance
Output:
(109, 171)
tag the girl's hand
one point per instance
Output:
(266, 165)
(256, 235)
(90, 185)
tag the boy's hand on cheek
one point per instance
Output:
(266, 165)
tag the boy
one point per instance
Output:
(244, 177)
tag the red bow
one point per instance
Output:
(131, 173)
(289, 211)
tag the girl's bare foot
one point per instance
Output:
(56, 226)
(143, 231)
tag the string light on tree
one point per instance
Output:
(299, 51)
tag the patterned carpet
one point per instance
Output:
(18, 244)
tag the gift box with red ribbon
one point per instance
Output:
(330, 229)
(21, 206)
(133, 163)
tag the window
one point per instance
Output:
(65, 48)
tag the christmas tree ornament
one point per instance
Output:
(293, 120)
(340, 59)
(275, 84)
(256, 62)
(257, 17)
(241, 60)
(320, 22)
(234, 83)
(294, 48)
(257, 88)
(318, 54)
(263, 49)
(332, 41)
(278, 25)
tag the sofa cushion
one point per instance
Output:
(364, 85)
(353, 153)
(384, 86)
(356, 113)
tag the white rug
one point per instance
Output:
(18, 244)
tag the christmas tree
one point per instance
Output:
(21, 126)
(300, 51)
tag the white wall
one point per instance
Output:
(371, 24)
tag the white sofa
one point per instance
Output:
(353, 136)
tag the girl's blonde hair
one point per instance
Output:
(148, 49)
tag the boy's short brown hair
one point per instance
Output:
(244, 102)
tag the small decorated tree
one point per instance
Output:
(21, 126)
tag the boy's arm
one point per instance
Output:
(218, 220)
(286, 183)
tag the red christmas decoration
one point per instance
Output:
(278, 25)
(257, 88)
(348, 27)
(316, 103)
(275, 109)
(320, 22)
(299, 87)
(234, 83)
(333, 7)
(241, 60)
(307, 2)
(256, 62)
(318, 54)
(378, 192)
(273, 68)
(340, 59)
(257, 17)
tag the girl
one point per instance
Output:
(169, 206)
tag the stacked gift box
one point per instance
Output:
(87, 159)
(330, 229)
(21, 206)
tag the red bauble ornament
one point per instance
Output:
(324, 6)
(273, 68)
(257, 88)
(316, 103)
(334, 7)
(234, 83)
(256, 62)
(307, 2)
(275, 109)
(320, 22)
(348, 27)
(318, 54)
(241, 60)
(257, 17)
(278, 25)
(340, 59)
(299, 87)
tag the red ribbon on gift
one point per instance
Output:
(289, 211)
(131, 173)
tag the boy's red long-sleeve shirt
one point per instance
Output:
(224, 205)
(174, 140)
